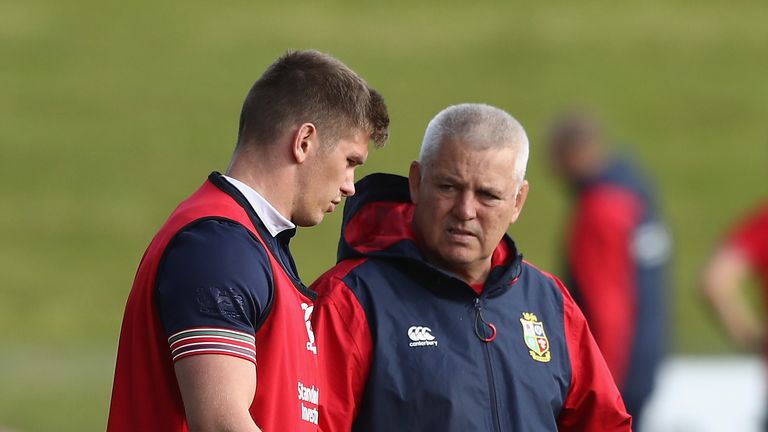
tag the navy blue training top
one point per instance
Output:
(215, 274)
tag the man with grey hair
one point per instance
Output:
(432, 321)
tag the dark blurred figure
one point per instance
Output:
(617, 250)
(744, 251)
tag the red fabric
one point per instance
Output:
(379, 225)
(601, 263)
(750, 236)
(500, 257)
(593, 402)
(145, 394)
(477, 287)
(345, 348)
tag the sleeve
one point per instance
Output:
(212, 288)
(603, 270)
(593, 402)
(345, 349)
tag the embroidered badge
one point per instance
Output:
(535, 337)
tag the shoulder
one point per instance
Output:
(541, 276)
(333, 280)
(338, 311)
(608, 201)
(750, 233)
(211, 257)
(338, 298)
(216, 231)
(755, 219)
(214, 274)
(548, 282)
(220, 241)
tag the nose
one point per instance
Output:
(348, 187)
(465, 207)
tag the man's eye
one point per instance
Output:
(445, 187)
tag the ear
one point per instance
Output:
(522, 194)
(304, 142)
(414, 181)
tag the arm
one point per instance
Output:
(603, 268)
(211, 290)
(201, 381)
(722, 282)
(593, 402)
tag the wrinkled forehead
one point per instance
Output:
(478, 164)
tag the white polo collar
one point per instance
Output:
(273, 220)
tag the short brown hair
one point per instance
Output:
(310, 86)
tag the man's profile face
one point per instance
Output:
(330, 177)
(465, 200)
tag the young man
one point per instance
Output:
(432, 321)
(617, 255)
(217, 300)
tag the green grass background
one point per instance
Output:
(112, 112)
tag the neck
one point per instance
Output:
(266, 176)
(477, 274)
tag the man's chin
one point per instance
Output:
(459, 259)
(310, 221)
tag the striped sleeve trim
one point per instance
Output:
(212, 340)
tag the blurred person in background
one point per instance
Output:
(617, 250)
(432, 321)
(743, 252)
(217, 299)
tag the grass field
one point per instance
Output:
(112, 112)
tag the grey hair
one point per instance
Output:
(477, 125)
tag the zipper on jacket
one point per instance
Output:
(488, 364)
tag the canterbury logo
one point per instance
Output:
(421, 336)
